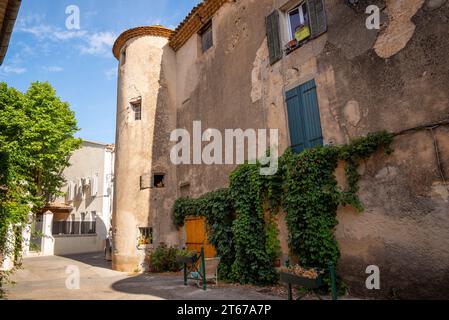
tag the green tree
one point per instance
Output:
(36, 141)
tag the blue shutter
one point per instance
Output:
(312, 124)
(304, 117)
(297, 136)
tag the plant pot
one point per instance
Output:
(186, 259)
(302, 281)
(292, 43)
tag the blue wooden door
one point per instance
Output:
(304, 117)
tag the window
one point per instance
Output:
(145, 236)
(137, 108)
(123, 57)
(306, 20)
(298, 23)
(207, 38)
(158, 181)
(304, 117)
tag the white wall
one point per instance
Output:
(93, 159)
(66, 245)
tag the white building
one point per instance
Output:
(79, 222)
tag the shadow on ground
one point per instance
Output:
(171, 287)
(93, 259)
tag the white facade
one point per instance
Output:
(80, 221)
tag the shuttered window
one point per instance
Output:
(317, 17)
(207, 38)
(273, 38)
(305, 21)
(304, 117)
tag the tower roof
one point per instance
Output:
(156, 31)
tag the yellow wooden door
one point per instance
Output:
(197, 236)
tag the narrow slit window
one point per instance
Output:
(123, 57)
(137, 109)
(207, 38)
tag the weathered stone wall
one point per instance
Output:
(142, 149)
(367, 80)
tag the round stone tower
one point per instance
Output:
(144, 119)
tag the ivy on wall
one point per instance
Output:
(253, 260)
(241, 219)
(217, 208)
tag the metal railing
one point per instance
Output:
(74, 227)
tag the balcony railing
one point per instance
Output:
(74, 227)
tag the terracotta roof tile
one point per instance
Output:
(192, 24)
(158, 31)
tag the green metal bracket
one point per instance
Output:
(333, 280)
(203, 266)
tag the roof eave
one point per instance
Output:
(10, 17)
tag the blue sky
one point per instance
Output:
(79, 63)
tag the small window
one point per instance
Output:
(298, 23)
(123, 57)
(158, 181)
(137, 109)
(145, 236)
(207, 38)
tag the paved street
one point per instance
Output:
(44, 278)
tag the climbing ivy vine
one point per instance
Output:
(241, 219)
(253, 260)
(217, 208)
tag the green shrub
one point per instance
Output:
(163, 259)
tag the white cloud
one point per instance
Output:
(14, 70)
(53, 69)
(46, 32)
(69, 35)
(93, 43)
(99, 43)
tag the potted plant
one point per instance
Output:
(185, 256)
(297, 275)
(143, 242)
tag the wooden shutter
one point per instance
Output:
(314, 134)
(273, 37)
(317, 17)
(94, 186)
(70, 191)
(145, 182)
(295, 121)
(304, 117)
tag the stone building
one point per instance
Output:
(259, 64)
